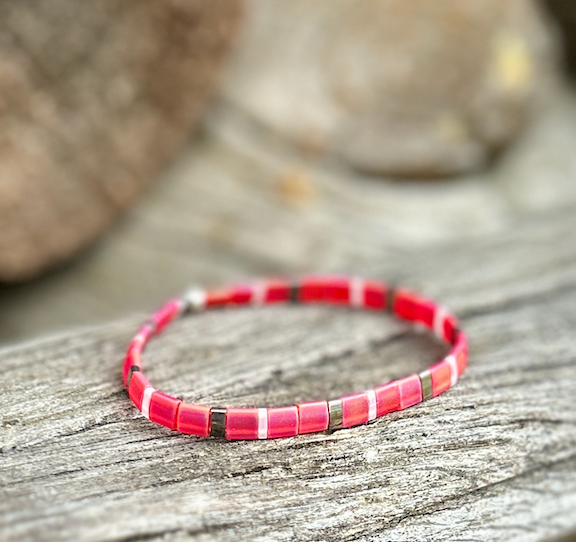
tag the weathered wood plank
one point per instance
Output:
(493, 459)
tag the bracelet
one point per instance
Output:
(307, 417)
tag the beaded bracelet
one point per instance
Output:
(307, 417)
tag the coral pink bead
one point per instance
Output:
(387, 398)
(217, 298)
(164, 409)
(138, 383)
(410, 391)
(312, 417)
(282, 422)
(241, 423)
(461, 352)
(441, 375)
(354, 409)
(193, 420)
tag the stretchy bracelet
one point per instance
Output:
(307, 417)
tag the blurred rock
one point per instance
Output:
(564, 11)
(95, 98)
(407, 89)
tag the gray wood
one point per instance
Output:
(492, 459)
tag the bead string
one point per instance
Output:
(308, 417)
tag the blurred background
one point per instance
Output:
(149, 146)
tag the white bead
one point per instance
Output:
(195, 299)
(146, 401)
(262, 423)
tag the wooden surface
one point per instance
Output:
(493, 459)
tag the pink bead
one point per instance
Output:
(241, 423)
(441, 375)
(312, 417)
(460, 352)
(282, 422)
(410, 391)
(166, 314)
(193, 420)
(138, 383)
(354, 409)
(164, 409)
(387, 398)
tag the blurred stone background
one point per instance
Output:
(391, 125)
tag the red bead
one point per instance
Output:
(425, 312)
(375, 295)
(354, 409)
(325, 290)
(193, 420)
(217, 298)
(282, 422)
(164, 409)
(277, 291)
(138, 383)
(166, 314)
(241, 294)
(241, 423)
(410, 391)
(450, 326)
(387, 398)
(440, 373)
(312, 417)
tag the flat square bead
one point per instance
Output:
(164, 409)
(282, 422)
(450, 325)
(375, 295)
(241, 294)
(193, 419)
(277, 291)
(425, 312)
(354, 409)
(441, 376)
(460, 352)
(387, 398)
(325, 290)
(410, 391)
(312, 417)
(138, 383)
(405, 305)
(241, 423)
(218, 298)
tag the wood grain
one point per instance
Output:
(492, 459)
